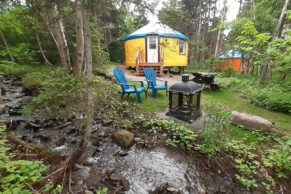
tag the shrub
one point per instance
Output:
(16, 174)
(214, 129)
(22, 53)
(64, 96)
(60, 96)
(34, 80)
(22, 70)
(279, 158)
(177, 133)
(272, 97)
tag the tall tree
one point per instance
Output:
(61, 40)
(223, 17)
(278, 29)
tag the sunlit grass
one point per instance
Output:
(230, 100)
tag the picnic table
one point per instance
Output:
(206, 78)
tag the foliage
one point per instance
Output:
(119, 110)
(16, 174)
(250, 41)
(195, 19)
(272, 97)
(102, 190)
(21, 52)
(177, 133)
(22, 70)
(34, 80)
(60, 96)
(49, 188)
(248, 166)
(279, 53)
(214, 129)
(64, 95)
(279, 158)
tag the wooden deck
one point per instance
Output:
(141, 64)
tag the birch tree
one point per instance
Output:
(267, 71)
(59, 32)
(278, 29)
(223, 15)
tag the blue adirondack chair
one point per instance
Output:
(128, 88)
(151, 79)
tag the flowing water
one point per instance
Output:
(145, 169)
(148, 169)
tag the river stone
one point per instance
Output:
(250, 121)
(2, 109)
(123, 138)
(88, 192)
(61, 141)
(80, 123)
(26, 99)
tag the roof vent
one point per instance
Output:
(185, 77)
(186, 86)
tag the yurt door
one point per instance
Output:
(152, 49)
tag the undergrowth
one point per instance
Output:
(177, 134)
(17, 175)
(59, 95)
(273, 96)
(21, 70)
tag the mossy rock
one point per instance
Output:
(123, 138)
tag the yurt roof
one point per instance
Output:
(233, 54)
(158, 28)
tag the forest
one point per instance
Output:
(65, 129)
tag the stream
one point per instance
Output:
(139, 170)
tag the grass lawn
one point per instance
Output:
(231, 100)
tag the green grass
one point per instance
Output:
(231, 101)
(21, 70)
(150, 104)
(155, 104)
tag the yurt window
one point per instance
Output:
(182, 47)
(152, 42)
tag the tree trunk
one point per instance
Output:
(240, 6)
(42, 52)
(281, 20)
(88, 47)
(77, 67)
(199, 33)
(267, 71)
(52, 35)
(78, 151)
(223, 13)
(59, 31)
(7, 47)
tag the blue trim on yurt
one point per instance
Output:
(233, 54)
(178, 35)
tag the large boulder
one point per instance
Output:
(123, 138)
(251, 121)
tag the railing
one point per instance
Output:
(139, 57)
(141, 64)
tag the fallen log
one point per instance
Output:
(43, 153)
